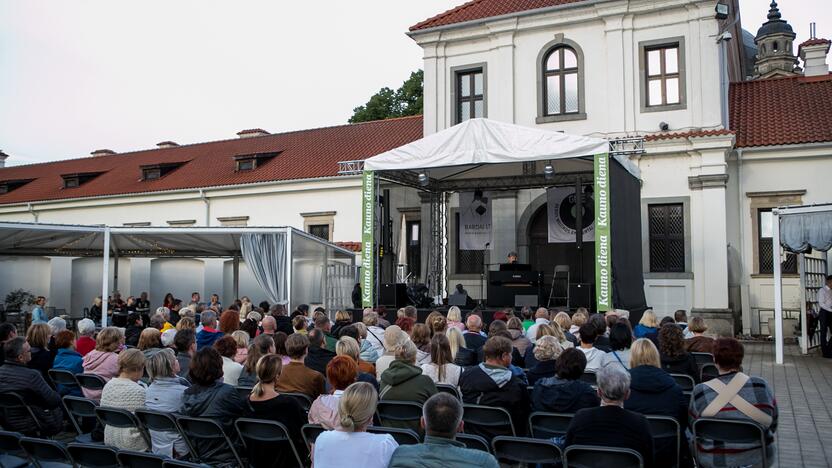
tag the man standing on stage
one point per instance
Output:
(825, 316)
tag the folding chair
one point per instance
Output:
(121, 418)
(63, 377)
(244, 392)
(590, 378)
(709, 372)
(703, 358)
(594, 456)
(400, 414)
(78, 409)
(474, 442)
(446, 388)
(12, 454)
(129, 459)
(310, 433)
(729, 431)
(158, 421)
(91, 381)
(11, 403)
(204, 429)
(94, 456)
(515, 450)
(544, 425)
(265, 441)
(183, 464)
(302, 398)
(487, 421)
(663, 429)
(46, 452)
(685, 381)
(402, 436)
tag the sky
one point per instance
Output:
(81, 75)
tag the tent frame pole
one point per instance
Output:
(235, 276)
(105, 277)
(778, 287)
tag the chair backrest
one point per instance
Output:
(90, 381)
(730, 431)
(302, 398)
(447, 388)
(10, 445)
(709, 371)
(402, 436)
(685, 381)
(80, 407)
(310, 433)
(45, 451)
(159, 421)
(394, 413)
(591, 456)
(94, 456)
(590, 378)
(122, 418)
(666, 428)
(129, 459)
(203, 429)
(63, 377)
(544, 425)
(244, 392)
(11, 402)
(703, 358)
(487, 421)
(515, 450)
(266, 436)
(472, 441)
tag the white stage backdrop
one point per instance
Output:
(561, 211)
(474, 220)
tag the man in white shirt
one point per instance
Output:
(541, 317)
(825, 316)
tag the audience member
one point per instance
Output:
(7, 332)
(518, 338)
(214, 303)
(150, 341)
(342, 319)
(455, 318)
(351, 445)
(323, 324)
(341, 372)
(734, 395)
(647, 327)
(299, 324)
(124, 392)
(280, 347)
(541, 317)
(492, 383)
(166, 314)
(318, 355)
(546, 351)
(41, 399)
(261, 346)
(56, 325)
(165, 394)
(681, 317)
(610, 422)
(95, 309)
(580, 317)
(103, 360)
(186, 321)
(474, 338)
(209, 334)
(421, 338)
(367, 352)
(699, 343)
(675, 359)
(441, 368)
(348, 346)
(242, 340)
(157, 321)
(404, 381)
(621, 338)
(185, 344)
(282, 321)
(393, 337)
(441, 420)
(68, 359)
(438, 324)
(296, 377)
(227, 347)
(602, 341)
(594, 356)
(133, 330)
(209, 397)
(229, 322)
(405, 324)
(85, 342)
(565, 392)
(375, 334)
(565, 323)
(42, 357)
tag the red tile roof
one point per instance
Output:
(303, 154)
(687, 134)
(814, 41)
(782, 111)
(352, 246)
(480, 9)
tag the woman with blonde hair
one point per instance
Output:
(648, 326)
(38, 336)
(242, 339)
(393, 337)
(103, 360)
(186, 323)
(546, 350)
(455, 318)
(580, 317)
(124, 392)
(462, 356)
(347, 346)
(351, 444)
(565, 323)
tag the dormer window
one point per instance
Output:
(250, 162)
(7, 186)
(247, 164)
(71, 182)
(76, 180)
(157, 171)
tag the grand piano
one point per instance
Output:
(514, 286)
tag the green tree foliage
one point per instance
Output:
(386, 103)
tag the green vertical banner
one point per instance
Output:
(603, 248)
(368, 205)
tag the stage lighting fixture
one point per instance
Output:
(549, 172)
(480, 210)
(424, 180)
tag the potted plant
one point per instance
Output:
(15, 300)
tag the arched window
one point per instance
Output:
(560, 81)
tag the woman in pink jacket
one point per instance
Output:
(103, 360)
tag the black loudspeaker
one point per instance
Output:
(393, 295)
(581, 295)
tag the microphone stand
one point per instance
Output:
(482, 274)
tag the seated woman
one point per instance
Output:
(85, 342)
(463, 357)
(368, 352)
(209, 397)
(675, 359)
(352, 445)
(455, 318)
(647, 327)
(150, 341)
(546, 351)
(621, 338)
(518, 335)
(260, 346)
(68, 359)
(103, 360)
(748, 398)
(38, 336)
(267, 403)
(421, 338)
(347, 346)
(242, 339)
(341, 372)
(441, 368)
(393, 337)
(699, 343)
(165, 394)
(227, 347)
(124, 392)
(565, 392)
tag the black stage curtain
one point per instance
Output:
(625, 218)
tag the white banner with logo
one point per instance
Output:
(562, 213)
(474, 220)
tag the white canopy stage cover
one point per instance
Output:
(274, 255)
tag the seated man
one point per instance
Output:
(441, 420)
(594, 356)
(610, 424)
(44, 402)
(317, 356)
(209, 333)
(296, 377)
(474, 339)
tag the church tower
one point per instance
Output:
(775, 54)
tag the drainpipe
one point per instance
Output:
(32, 211)
(745, 306)
(207, 207)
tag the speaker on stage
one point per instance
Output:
(581, 295)
(393, 295)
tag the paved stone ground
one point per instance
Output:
(803, 389)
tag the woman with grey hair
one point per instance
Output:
(165, 394)
(546, 350)
(610, 424)
(85, 342)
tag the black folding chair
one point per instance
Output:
(12, 454)
(121, 418)
(544, 425)
(447, 388)
(685, 381)
(594, 456)
(130, 459)
(515, 450)
(78, 409)
(487, 421)
(590, 378)
(90, 381)
(400, 414)
(402, 436)
(302, 399)
(244, 392)
(198, 430)
(13, 405)
(266, 440)
(729, 431)
(158, 421)
(709, 372)
(183, 464)
(94, 456)
(665, 429)
(46, 452)
(63, 377)
(310, 433)
(703, 358)
(474, 442)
